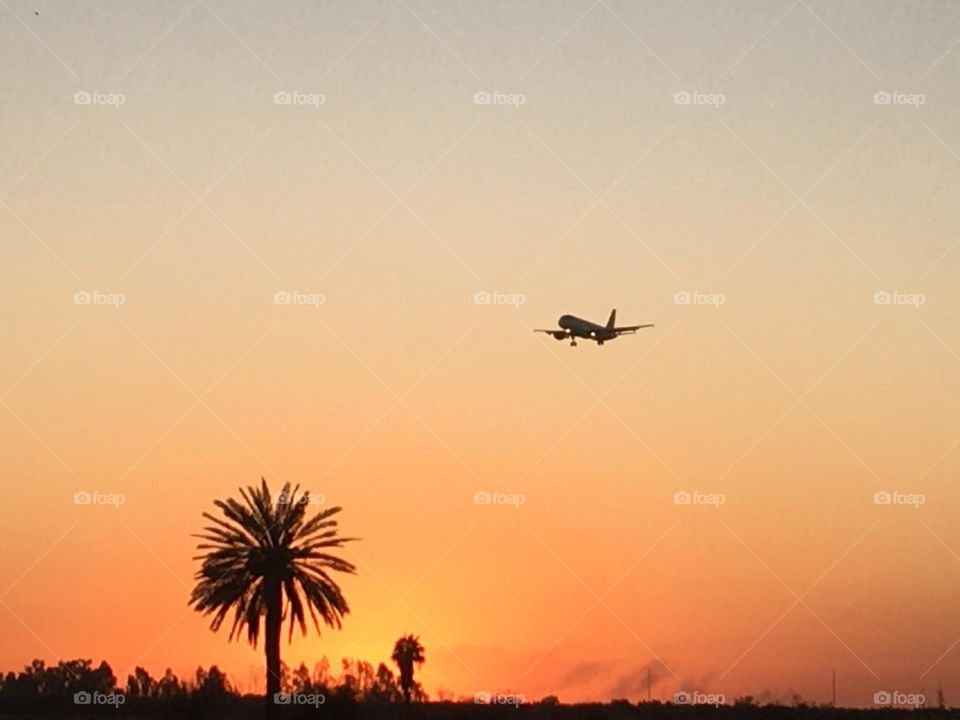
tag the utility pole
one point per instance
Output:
(834, 702)
(649, 686)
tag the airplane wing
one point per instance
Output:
(630, 328)
(547, 331)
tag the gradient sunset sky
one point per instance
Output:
(788, 210)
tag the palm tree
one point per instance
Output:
(407, 651)
(266, 558)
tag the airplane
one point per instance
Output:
(573, 327)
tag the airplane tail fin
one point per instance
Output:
(613, 318)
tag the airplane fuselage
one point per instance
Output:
(572, 327)
(578, 327)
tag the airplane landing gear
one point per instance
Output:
(573, 343)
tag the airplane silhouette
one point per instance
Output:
(573, 327)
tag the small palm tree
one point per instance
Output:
(267, 558)
(407, 651)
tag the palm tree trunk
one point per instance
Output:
(274, 618)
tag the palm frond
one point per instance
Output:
(258, 540)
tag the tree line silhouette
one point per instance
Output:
(63, 687)
(359, 692)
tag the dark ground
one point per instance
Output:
(253, 709)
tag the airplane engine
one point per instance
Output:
(560, 335)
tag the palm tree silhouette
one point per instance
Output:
(266, 558)
(407, 651)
